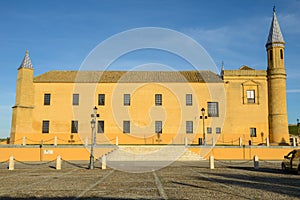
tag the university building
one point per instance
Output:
(155, 107)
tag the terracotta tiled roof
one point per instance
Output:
(126, 76)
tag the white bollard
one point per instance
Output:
(211, 162)
(267, 141)
(11, 164)
(103, 162)
(58, 163)
(24, 141)
(256, 162)
(185, 141)
(294, 142)
(212, 141)
(117, 140)
(240, 141)
(86, 142)
(55, 140)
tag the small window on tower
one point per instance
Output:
(281, 54)
(271, 55)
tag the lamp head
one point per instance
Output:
(95, 109)
(203, 111)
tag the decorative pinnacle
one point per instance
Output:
(26, 63)
(275, 37)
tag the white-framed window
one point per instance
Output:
(126, 99)
(126, 126)
(74, 126)
(209, 130)
(100, 127)
(158, 126)
(189, 126)
(101, 99)
(47, 99)
(251, 96)
(189, 99)
(75, 101)
(252, 132)
(158, 99)
(45, 126)
(213, 109)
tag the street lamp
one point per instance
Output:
(298, 124)
(203, 117)
(93, 126)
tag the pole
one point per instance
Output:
(93, 124)
(298, 124)
(204, 139)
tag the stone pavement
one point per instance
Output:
(180, 180)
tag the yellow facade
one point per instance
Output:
(243, 105)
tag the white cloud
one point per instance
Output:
(293, 91)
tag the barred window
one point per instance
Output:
(75, 99)
(47, 99)
(250, 96)
(218, 130)
(74, 126)
(189, 99)
(126, 126)
(126, 99)
(252, 132)
(189, 126)
(209, 130)
(45, 127)
(101, 99)
(100, 128)
(158, 99)
(158, 126)
(213, 109)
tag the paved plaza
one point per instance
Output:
(181, 180)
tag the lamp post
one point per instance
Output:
(203, 117)
(93, 126)
(298, 124)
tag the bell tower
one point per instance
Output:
(278, 123)
(23, 108)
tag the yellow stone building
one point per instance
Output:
(155, 107)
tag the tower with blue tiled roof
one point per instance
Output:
(278, 123)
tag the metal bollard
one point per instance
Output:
(294, 142)
(240, 141)
(117, 140)
(103, 162)
(211, 162)
(55, 141)
(24, 141)
(267, 141)
(185, 141)
(11, 164)
(256, 162)
(58, 163)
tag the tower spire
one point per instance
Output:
(26, 63)
(275, 37)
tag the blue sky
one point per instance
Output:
(59, 34)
